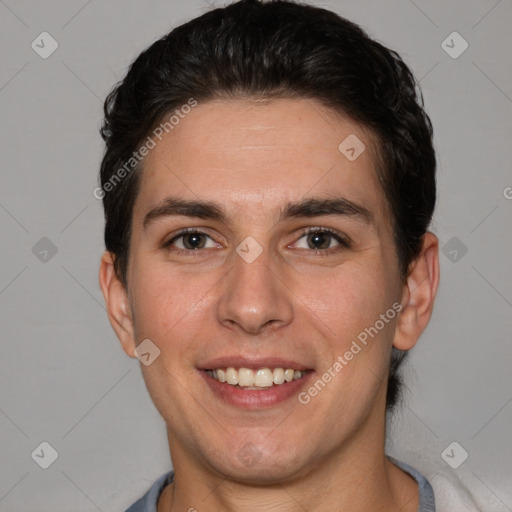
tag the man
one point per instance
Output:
(268, 183)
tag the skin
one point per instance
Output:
(252, 158)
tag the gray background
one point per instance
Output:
(63, 376)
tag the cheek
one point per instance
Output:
(164, 302)
(169, 310)
(351, 296)
(350, 303)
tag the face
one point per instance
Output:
(287, 260)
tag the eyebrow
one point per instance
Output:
(312, 207)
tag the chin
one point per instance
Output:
(258, 464)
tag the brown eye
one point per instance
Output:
(321, 240)
(193, 240)
(190, 241)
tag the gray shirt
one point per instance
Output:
(149, 501)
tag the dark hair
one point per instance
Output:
(277, 49)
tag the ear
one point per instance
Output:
(118, 306)
(418, 294)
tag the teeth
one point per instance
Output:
(261, 378)
(288, 375)
(245, 377)
(278, 375)
(231, 376)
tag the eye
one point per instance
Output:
(321, 239)
(190, 240)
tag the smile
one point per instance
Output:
(261, 378)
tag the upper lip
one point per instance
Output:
(252, 362)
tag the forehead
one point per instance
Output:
(244, 153)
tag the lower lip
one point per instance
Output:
(254, 398)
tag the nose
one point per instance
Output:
(254, 297)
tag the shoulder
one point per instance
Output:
(455, 492)
(452, 490)
(148, 502)
(427, 501)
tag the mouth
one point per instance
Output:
(255, 379)
(255, 384)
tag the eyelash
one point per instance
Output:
(344, 243)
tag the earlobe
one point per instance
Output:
(118, 307)
(418, 295)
